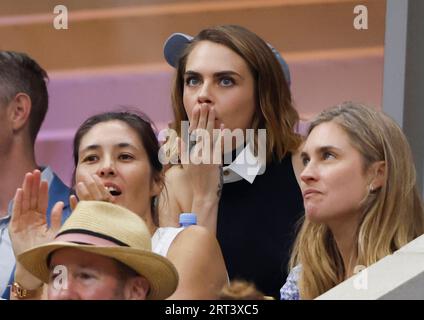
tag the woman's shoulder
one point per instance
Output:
(198, 239)
(177, 176)
(163, 238)
(167, 231)
(171, 240)
(196, 234)
(175, 172)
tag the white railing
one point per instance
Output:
(398, 276)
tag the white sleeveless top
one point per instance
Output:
(162, 239)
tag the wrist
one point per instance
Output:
(25, 279)
(17, 291)
(204, 203)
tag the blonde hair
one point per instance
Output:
(391, 217)
(274, 108)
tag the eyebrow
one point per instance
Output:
(81, 265)
(91, 147)
(321, 150)
(120, 145)
(216, 74)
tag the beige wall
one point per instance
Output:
(125, 32)
(112, 54)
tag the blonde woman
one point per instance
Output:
(360, 197)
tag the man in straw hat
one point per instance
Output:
(103, 251)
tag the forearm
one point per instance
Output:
(207, 212)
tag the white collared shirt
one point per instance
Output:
(246, 166)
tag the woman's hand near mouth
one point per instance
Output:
(91, 189)
(206, 179)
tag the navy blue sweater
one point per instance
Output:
(257, 226)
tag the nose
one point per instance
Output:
(63, 291)
(205, 94)
(107, 168)
(66, 294)
(309, 173)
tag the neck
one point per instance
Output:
(344, 233)
(148, 219)
(14, 165)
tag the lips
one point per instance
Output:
(310, 192)
(113, 188)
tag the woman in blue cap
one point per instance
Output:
(228, 77)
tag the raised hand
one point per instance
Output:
(205, 168)
(90, 189)
(206, 179)
(28, 225)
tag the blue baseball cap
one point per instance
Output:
(177, 42)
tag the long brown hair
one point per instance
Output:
(274, 107)
(392, 215)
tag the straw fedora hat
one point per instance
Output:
(112, 231)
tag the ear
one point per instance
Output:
(157, 184)
(136, 288)
(20, 109)
(377, 173)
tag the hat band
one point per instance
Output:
(82, 236)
